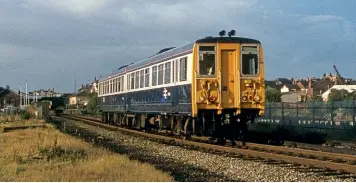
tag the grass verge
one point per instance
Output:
(46, 154)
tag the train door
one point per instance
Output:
(228, 77)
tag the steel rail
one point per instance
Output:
(247, 152)
(280, 149)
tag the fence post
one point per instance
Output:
(297, 118)
(283, 113)
(332, 114)
(313, 113)
(270, 112)
(353, 113)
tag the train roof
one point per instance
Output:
(172, 52)
(163, 55)
(227, 40)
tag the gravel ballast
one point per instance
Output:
(193, 165)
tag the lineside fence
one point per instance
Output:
(330, 117)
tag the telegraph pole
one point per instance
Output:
(26, 98)
(20, 96)
(75, 85)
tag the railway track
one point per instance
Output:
(343, 163)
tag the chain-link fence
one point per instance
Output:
(335, 118)
(317, 114)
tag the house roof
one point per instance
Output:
(82, 94)
(351, 82)
(4, 92)
(323, 85)
(304, 83)
(273, 84)
(292, 86)
(284, 80)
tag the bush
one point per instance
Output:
(273, 95)
(24, 115)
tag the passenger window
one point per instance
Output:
(154, 75)
(122, 83)
(174, 71)
(128, 82)
(207, 60)
(249, 63)
(167, 73)
(137, 79)
(183, 69)
(111, 86)
(108, 87)
(104, 88)
(119, 83)
(147, 77)
(160, 74)
(142, 78)
(132, 81)
(115, 85)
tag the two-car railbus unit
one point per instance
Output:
(212, 87)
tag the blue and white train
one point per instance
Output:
(211, 87)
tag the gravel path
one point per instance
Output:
(192, 165)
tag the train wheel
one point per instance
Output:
(103, 116)
(203, 126)
(211, 140)
(198, 127)
(171, 123)
(233, 143)
(186, 131)
(221, 141)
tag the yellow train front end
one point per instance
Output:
(228, 84)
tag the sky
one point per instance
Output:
(52, 43)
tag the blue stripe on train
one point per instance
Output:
(172, 99)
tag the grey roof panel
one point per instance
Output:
(177, 51)
(153, 59)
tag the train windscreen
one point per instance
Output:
(249, 60)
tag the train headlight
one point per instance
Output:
(244, 98)
(212, 98)
(257, 98)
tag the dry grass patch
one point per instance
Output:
(7, 118)
(22, 123)
(45, 154)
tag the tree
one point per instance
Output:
(314, 99)
(273, 95)
(93, 103)
(340, 95)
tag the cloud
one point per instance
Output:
(321, 18)
(49, 42)
(77, 7)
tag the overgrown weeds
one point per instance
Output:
(45, 154)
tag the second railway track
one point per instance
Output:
(319, 159)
